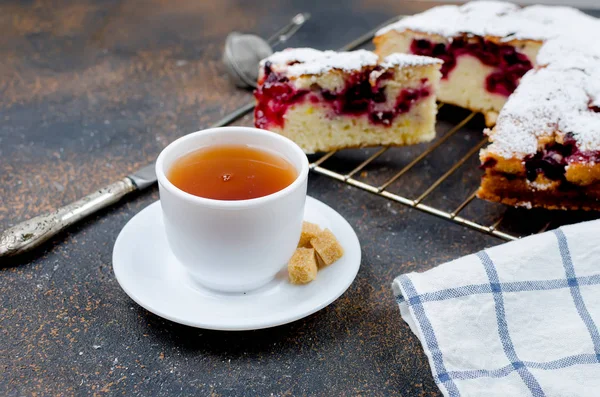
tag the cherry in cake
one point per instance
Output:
(332, 100)
(545, 147)
(508, 63)
(534, 72)
(486, 46)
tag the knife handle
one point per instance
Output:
(33, 232)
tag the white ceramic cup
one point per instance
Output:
(236, 245)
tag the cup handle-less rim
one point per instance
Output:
(232, 204)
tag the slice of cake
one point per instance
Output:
(326, 100)
(545, 149)
(486, 46)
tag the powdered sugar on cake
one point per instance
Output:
(561, 97)
(492, 18)
(406, 60)
(293, 55)
(307, 61)
(547, 102)
(325, 100)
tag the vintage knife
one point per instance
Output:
(33, 232)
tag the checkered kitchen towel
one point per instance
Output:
(519, 319)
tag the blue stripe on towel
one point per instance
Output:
(507, 344)
(429, 336)
(573, 282)
(514, 286)
(410, 297)
(506, 370)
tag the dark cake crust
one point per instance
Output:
(517, 191)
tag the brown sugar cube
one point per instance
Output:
(309, 231)
(302, 266)
(327, 247)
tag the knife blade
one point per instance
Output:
(144, 177)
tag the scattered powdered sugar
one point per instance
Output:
(585, 126)
(307, 61)
(524, 204)
(492, 18)
(293, 55)
(548, 101)
(406, 60)
(578, 49)
(303, 61)
(539, 185)
(593, 89)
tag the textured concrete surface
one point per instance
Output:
(91, 90)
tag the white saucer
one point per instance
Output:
(149, 273)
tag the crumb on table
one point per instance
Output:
(327, 247)
(302, 267)
(309, 231)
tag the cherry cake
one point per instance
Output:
(486, 46)
(534, 72)
(545, 146)
(326, 100)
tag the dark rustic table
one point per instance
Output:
(90, 91)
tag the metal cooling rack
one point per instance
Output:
(318, 165)
(417, 202)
